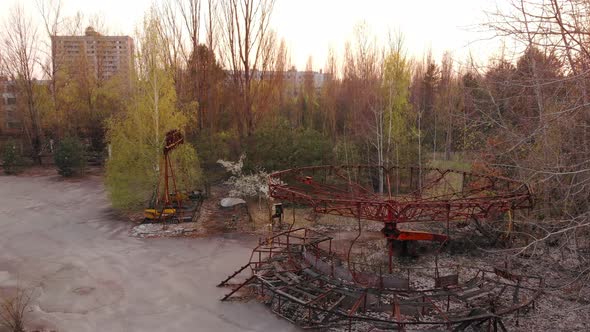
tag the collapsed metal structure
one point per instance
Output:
(304, 281)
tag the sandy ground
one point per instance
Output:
(60, 239)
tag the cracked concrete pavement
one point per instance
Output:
(61, 239)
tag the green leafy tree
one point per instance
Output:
(389, 139)
(398, 120)
(83, 103)
(137, 136)
(310, 147)
(70, 157)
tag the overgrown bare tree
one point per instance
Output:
(20, 44)
(540, 126)
(328, 101)
(170, 30)
(246, 41)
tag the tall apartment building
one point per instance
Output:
(104, 56)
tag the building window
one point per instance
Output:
(11, 101)
(13, 125)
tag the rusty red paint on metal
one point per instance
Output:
(400, 194)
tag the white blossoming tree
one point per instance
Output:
(245, 185)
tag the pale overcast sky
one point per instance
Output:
(310, 27)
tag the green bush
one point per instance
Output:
(70, 157)
(12, 161)
(310, 148)
(347, 152)
(215, 146)
(281, 147)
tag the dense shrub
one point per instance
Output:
(346, 152)
(214, 146)
(310, 147)
(12, 161)
(70, 157)
(280, 147)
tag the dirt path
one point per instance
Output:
(88, 274)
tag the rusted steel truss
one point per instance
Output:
(400, 195)
(303, 281)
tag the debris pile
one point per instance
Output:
(165, 230)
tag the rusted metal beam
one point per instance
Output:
(239, 287)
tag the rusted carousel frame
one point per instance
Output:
(493, 193)
(285, 261)
(349, 191)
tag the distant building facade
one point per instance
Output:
(13, 108)
(104, 56)
(10, 123)
(294, 81)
